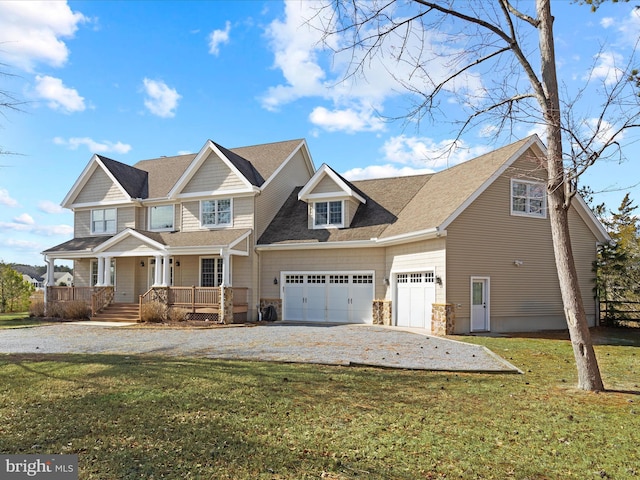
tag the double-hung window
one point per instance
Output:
(103, 221)
(211, 272)
(215, 213)
(161, 217)
(328, 214)
(528, 198)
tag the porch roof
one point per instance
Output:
(208, 239)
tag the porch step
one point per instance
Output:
(118, 312)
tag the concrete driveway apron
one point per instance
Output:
(387, 347)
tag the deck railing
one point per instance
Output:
(96, 298)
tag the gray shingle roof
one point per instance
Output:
(395, 206)
(78, 244)
(132, 179)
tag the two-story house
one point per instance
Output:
(462, 250)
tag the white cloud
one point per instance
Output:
(404, 155)
(313, 69)
(606, 67)
(42, 230)
(32, 32)
(94, 147)
(347, 120)
(383, 171)
(5, 199)
(161, 100)
(219, 37)
(47, 206)
(424, 152)
(59, 97)
(607, 22)
(24, 219)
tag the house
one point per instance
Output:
(64, 279)
(37, 283)
(467, 249)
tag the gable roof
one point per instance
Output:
(403, 206)
(344, 185)
(155, 178)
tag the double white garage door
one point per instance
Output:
(415, 295)
(342, 297)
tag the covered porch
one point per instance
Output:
(173, 268)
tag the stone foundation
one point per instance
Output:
(443, 319)
(226, 306)
(382, 312)
(272, 302)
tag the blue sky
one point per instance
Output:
(137, 80)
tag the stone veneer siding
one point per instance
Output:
(443, 318)
(382, 312)
(275, 302)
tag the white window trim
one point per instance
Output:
(542, 214)
(217, 225)
(173, 217)
(210, 257)
(115, 226)
(324, 226)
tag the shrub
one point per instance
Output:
(36, 309)
(177, 314)
(76, 310)
(155, 312)
(55, 310)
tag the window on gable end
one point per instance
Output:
(328, 214)
(528, 198)
(214, 213)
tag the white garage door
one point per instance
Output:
(415, 296)
(337, 297)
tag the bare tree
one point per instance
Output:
(488, 39)
(8, 101)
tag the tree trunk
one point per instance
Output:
(558, 194)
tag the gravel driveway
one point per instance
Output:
(280, 342)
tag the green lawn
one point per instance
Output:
(151, 417)
(18, 320)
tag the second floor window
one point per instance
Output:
(103, 221)
(328, 214)
(528, 198)
(161, 217)
(215, 212)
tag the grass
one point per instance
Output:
(152, 417)
(18, 320)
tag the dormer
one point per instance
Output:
(332, 201)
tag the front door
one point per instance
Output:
(479, 304)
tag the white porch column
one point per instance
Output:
(49, 277)
(226, 264)
(100, 279)
(157, 280)
(166, 271)
(107, 272)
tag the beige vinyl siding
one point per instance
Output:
(327, 185)
(418, 257)
(295, 173)
(141, 218)
(350, 207)
(486, 240)
(213, 175)
(99, 188)
(242, 210)
(125, 280)
(348, 259)
(126, 218)
(190, 216)
(131, 245)
(82, 223)
(82, 272)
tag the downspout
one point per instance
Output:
(259, 289)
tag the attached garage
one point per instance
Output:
(332, 297)
(415, 295)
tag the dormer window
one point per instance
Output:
(528, 199)
(328, 214)
(161, 217)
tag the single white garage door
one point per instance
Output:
(415, 295)
(337, 297)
